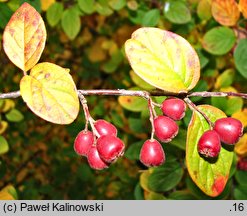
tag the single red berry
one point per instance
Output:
(165, 128)
(209, 144)
(174, 108)
(94, 160)
(110, 148)
(105, 128)
(229, 129)
(83, 142)
(152, 153)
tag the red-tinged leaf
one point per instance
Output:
(209, 175)
(24, 37)
(225, 12)
(243, 7)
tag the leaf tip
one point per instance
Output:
(219, 185)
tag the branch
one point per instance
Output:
(217, 94)
(14, 94)
(140, 93)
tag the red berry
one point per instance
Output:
(209, 144)
(94, 160)
(165, 128)
(83, 142)
(229, 130)
(110, 148)
(174, 108)
(105, 128)
(152, 153)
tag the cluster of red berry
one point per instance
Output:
(101, 149)
(226, 130)
(102, 146)
(165, 129)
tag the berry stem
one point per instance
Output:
(88, 117)
(152, 116)
(193, 107)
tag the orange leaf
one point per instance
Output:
(225, 12)
(243, 7)
(24, 37)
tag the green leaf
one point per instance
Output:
(177, 12)
(4, 15)
(151, 18)
(14, 115)
(234, 104)
(182, 195)
(210, 176)
(240, 192)
(203, 59)
(165, 177)
(225, 79)
(13, 4)
(4, 146)
(71, 23)
(132, 103)
(103, 8)
(228, 105)
(241, 177)
(180, 140)
(163, 59)
(136, 125)
(138, 192)
(133, 151)
(112, 65)
(240, 57)
(117, 4)
(219, 40)
(154, 196)
(54, 13)
(87, 6)
(50, 93)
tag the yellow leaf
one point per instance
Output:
(163, 59)
(45, 4)
(3, 126)
(96, 52)
(50, 93)
(7, 105)
(241, 116)
(144, 179)
(204, 9)
(4, 195)
(8, 193)
(241, 146)
(24, 37)
(225, 12)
